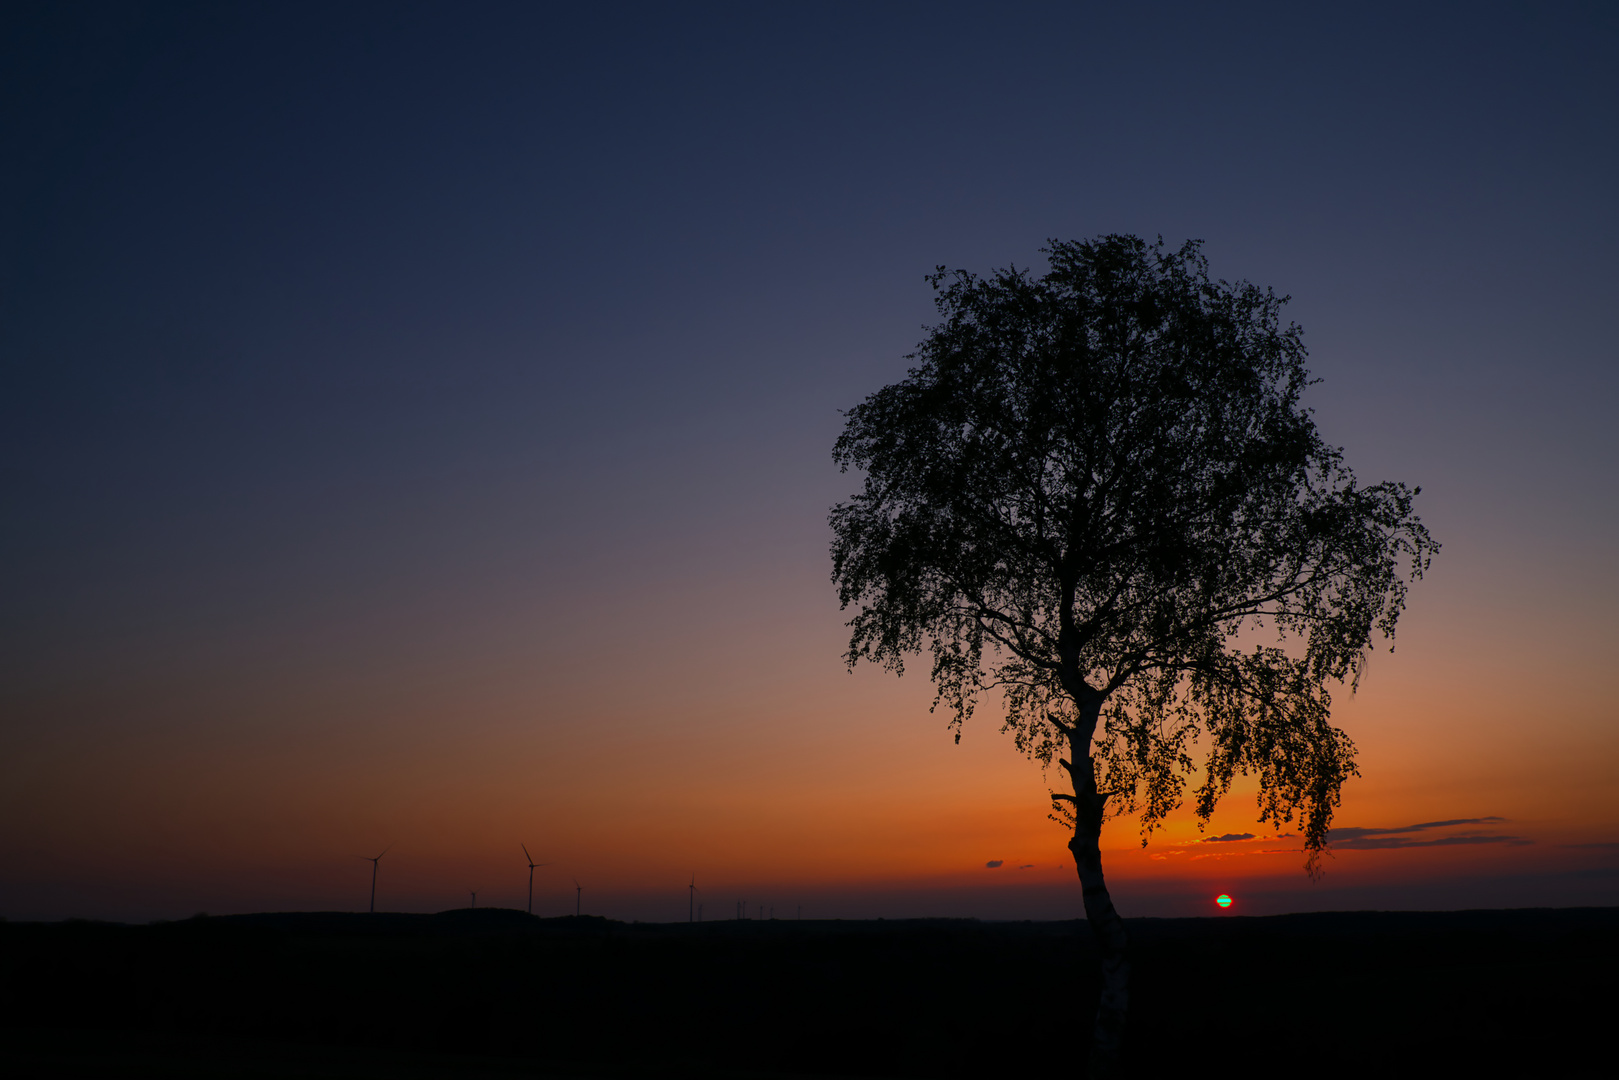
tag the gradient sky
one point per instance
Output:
(416, 427)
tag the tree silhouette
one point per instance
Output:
(1097, 494)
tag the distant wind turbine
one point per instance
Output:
(578, 892)
(474, 893)
(531, 865)
(374, 862)
(691, 899)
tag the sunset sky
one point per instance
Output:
(416, 427)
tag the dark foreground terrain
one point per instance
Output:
(496, 993)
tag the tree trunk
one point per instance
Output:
(1107, 1040)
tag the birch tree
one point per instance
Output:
(1097, 496)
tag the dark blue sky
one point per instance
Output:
(369, 338)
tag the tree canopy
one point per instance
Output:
(1097, 492)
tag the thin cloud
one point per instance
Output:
(994, 864)
(1604, 845)
(1227, 838)
(1360, 839)
(1354, 838)
(1027, 866)
(1373, 843)
(1341, 836)
(1230, 853)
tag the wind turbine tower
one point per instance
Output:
(578, 892)
(531, 865)
(374, 862)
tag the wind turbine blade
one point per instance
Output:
(526, 855)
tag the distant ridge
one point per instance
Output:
(455, 922)
(463, 922)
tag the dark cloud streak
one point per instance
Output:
(1361, 839)
(1353, 833)
(1374, 843)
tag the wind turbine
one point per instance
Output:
(531, 865)
(374, 863)
(691, 900)
(474, 893)
(578, 892)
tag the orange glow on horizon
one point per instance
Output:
(798, 778)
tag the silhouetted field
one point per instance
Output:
(497, 993)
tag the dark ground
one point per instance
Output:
(498, 994)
